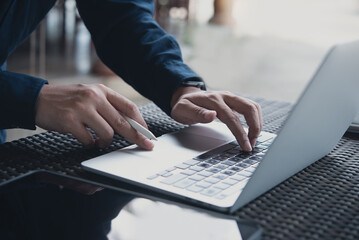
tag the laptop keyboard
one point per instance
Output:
(219, 172)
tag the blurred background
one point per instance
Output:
(264, 48)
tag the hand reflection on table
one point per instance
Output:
(30, 209)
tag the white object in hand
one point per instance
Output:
(140, 128)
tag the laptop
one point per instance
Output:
(203, 163)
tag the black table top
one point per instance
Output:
(320, 202)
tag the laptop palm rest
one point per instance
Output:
(136, 164)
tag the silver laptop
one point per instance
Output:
(203, 163)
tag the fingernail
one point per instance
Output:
(147, 144)
(254, 142)
(247, 146)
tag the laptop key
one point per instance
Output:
(205, 173)
(221, 186)
(212, 161)
(266, 144)
(188, 172)
(196, 168)
(162, 173)
(221, 166)
(205, 165)
(182, 166)
(228, 162)
(243, 165)
(237, 169)
(213, 170)
(222, 196)
(152, 177)
(229, 172)
(191, 162)
(167, 174)
(184, 183)
(220, 176)
(245, 173)
(250, 169)
(212, 180)
(211, 191)
(244, 155)
(230, 181)
(174, 178)
(171, 169)
(234, 150)
(236, 159)
(227, 154)
(204, 184)
(264, 138)
(197, 177)
(257, 158)
(249, 161)
(220, 158)
(259, 148)
(213, 152)
(194, 188)
(238, 177)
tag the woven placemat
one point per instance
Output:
(320, 202)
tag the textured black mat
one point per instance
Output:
(320, 202)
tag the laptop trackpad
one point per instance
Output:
(170, 149)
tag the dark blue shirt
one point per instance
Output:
(126, 38)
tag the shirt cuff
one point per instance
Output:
(18, 97)
(169, 77)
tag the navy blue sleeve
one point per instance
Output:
(18, 96)
(130, 42)
(18, 92)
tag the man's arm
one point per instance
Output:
(18, 95)
(131, 43)
(134, 46)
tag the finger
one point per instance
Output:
(127, 131)
(126, 107)
(100, 126)
(188, 113)
(231, 119)
(251, 113)
(82, 134)
(225, 114)
(122, 127)
(260, 118)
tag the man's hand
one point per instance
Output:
(191, 105)
(72, 108)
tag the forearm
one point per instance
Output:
(132, 44)
(18, 96)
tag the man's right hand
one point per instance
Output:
(72, 108)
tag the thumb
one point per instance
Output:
(188, 113)
(205, 115)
